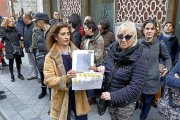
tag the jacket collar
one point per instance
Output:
(129, 56)
(56, 55)
(55, 52)
(94, 37)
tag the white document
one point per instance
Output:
(82, 60)
(86, 79)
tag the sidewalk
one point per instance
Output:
(22, 101)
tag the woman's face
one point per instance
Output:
(88, 31)
(99, 27)
(149, 30)
(63, 37)
(11, 23)
(13, 19)
(125, 39)
(168, 28)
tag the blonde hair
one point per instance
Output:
(129, 27)
(5, 22)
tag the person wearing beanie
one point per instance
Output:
(42, 22)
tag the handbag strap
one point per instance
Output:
(10, 40)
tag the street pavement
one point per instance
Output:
(22, 101)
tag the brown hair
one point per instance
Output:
(54, 32)
(5, 22)
(28, 16)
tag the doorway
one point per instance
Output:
(102, 9)
(177, 29)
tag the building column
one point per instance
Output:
(40, 5)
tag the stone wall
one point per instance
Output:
(27, 5)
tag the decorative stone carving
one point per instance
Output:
(70, 6)
(140, 10)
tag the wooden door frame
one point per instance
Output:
(88, 6)
(175, 12)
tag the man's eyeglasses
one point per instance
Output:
(127, 37)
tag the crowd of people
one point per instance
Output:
(132, 57)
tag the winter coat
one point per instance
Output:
(11, 38)
(55, 22)
(171, 80)
(172, 46)
(28, 31)
(77, 38)
(108, 38)
(20, 26)
(41, 50)
(152, 53)
(95, 43)
(1, 51)
(36, 33)
(124, 74)
(56, 78)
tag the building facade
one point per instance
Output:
(116, 11)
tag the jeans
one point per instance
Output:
(33, 68)
(147, 100)
(72, 107)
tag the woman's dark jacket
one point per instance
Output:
(126, 73)
(77, 38)
(152, 52)
(10, 36)
(172, 46)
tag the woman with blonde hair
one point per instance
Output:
(12, 40)
(125, 70)
(58, 75)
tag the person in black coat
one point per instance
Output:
(11, 38)
(75, 23)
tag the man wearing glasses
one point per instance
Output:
(56, 19)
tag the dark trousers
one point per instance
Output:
(72, 107)
(147, 100)
(42, 79)
(18, 65)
